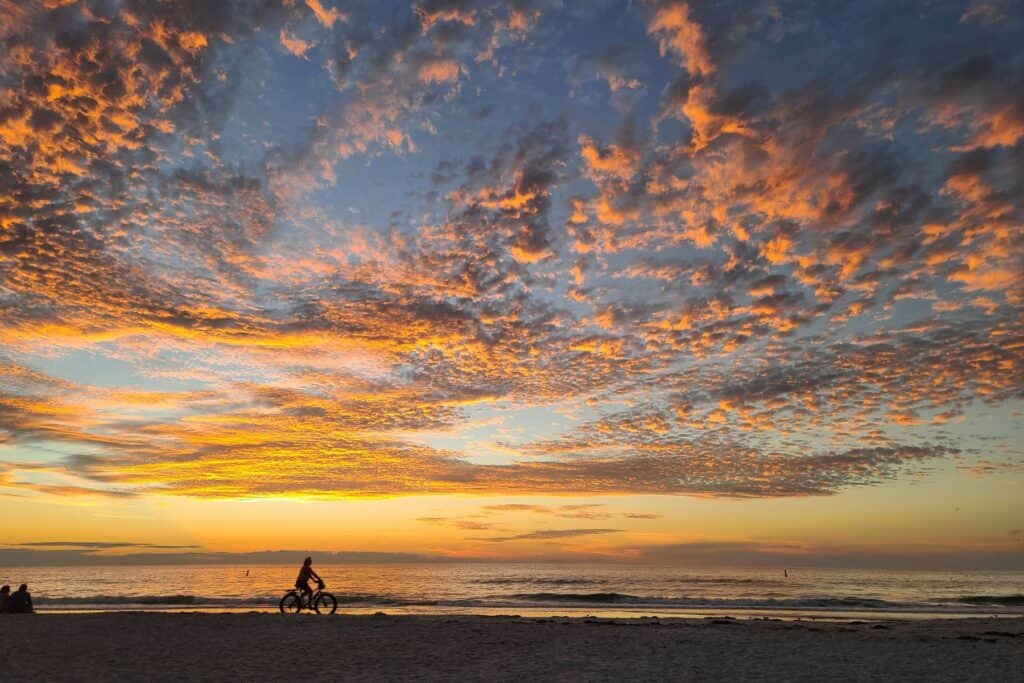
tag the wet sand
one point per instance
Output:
(271, 647)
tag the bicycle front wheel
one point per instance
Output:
(291, 603)
(325, 603)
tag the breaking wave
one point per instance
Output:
(622, 598)
(157, 600)
(1007, 600)
(544, 581)
(196, 600)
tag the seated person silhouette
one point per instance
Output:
(5, 593)
(20, 601)
(302, 582)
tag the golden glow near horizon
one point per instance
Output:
(512, 280)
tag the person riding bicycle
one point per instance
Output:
(302, 582)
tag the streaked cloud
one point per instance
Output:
(550, 534)
(100, 545)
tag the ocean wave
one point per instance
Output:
(581, 597)
(694, 580)
(538, 581)
(168, 600)
(1008, 600)
(199, 600)
(726, 580)
(683, 601)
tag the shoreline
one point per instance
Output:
(570, 611)
(264, 646)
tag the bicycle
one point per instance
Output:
(319, 601)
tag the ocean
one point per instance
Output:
(570, 589)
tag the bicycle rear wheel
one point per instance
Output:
(325, 603)
(291, 603)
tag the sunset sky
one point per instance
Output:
(537, 279)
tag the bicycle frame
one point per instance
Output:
(307, 600)
(311, 600)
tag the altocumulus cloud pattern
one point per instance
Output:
(380, 248)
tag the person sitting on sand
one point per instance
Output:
(5, 593)
(20, 601)
(302, 583)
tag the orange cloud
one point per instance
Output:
(327, 17)
(439, 71)
(293, 43)
(677, 33)
(434, 11)
(615, 161)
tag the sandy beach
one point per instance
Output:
(182, 646)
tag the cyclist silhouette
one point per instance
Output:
(302, 582)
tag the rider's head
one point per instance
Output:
(309, 561)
